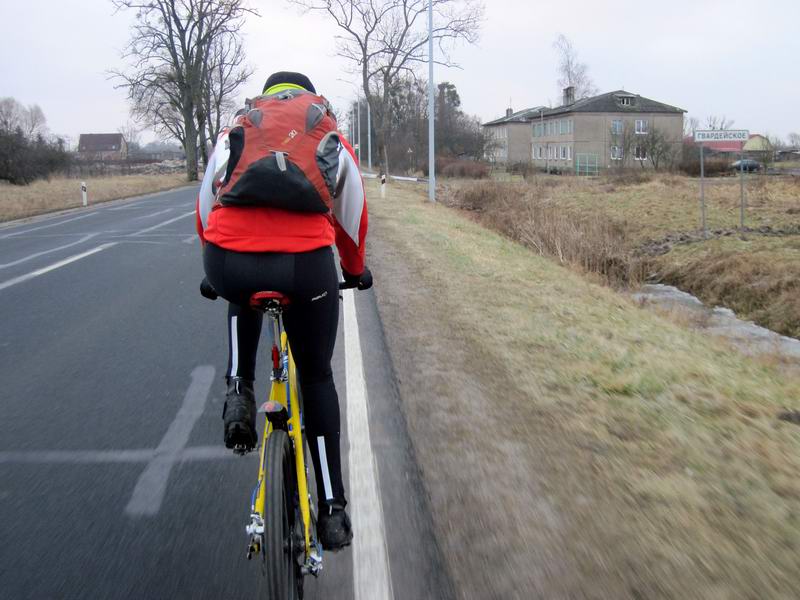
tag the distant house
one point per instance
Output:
(758, 143)
(613, 129)
(510, 136)
(102, 146)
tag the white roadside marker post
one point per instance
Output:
(383, 185)
(83, 193)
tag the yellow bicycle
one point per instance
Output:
(282, 528)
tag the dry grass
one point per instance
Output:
(522, 212)
(60, 193)
(573, 444)
(600, 224)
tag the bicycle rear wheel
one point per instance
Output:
(279, 519)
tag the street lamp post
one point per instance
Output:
(431, 146)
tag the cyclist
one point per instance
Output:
(254, 248)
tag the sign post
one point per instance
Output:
(718, 135)
(741, 188)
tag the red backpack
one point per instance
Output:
(284, 153)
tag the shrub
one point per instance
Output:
(454, 167)
(23, 161)
(620, 177)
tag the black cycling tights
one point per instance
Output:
(311, 282)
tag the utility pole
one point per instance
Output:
(431, 146)
(358, 120)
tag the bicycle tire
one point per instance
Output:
(279, 521)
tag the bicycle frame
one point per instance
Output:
(284, 391)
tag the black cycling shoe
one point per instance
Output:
(333, 526)
(239, 415)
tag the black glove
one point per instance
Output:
(207, 290)
(362, 282)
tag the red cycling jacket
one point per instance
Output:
(262, 229)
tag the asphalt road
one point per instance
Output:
(113, 479)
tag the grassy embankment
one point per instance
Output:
(648, 228)
(59, 193)
(573, 444)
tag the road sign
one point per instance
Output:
(721, 135)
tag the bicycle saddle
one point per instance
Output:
(265, 301)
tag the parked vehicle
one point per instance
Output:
(746, 164)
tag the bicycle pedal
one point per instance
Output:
(241, 449)
(252, 548)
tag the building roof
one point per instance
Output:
(100, 142)
(611, 102)
(522, 116)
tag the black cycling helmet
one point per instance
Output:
(289, 77)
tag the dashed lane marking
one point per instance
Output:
(54, 266)
(24, 231)
(165, 223)
(95, 457)
(152, 484)
(155, 214)
(88, 236)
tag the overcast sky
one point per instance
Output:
(737, 58)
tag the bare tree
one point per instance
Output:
(571, 71)
(659, 149)
(132, 134)
(225, 72)
(690, 125)
(625, 141)
(169, 53)
(30, 120)
(34, 123)
(717, 122)
(386, 39)
(794, 140)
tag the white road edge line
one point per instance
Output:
(87, 237)
(24, 231)
(54, 266)
(371, 575)
(154, 227)
(152, 484)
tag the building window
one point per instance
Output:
(563, 153)
(641, 153)
(616, 152)
(562, 126)
(641, 126)
(626, 101)
(570, 129)
(616, 127)
(569, 151)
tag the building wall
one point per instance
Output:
(519, 142)
(512, 143)
(590, 134)
(554, 148)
